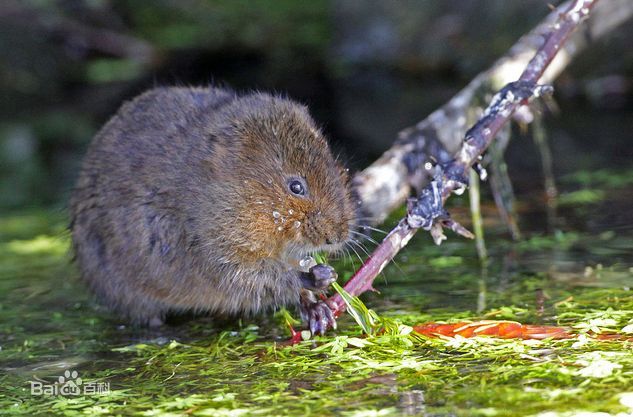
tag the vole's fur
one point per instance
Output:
(183, 204)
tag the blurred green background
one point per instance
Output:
(366, 68)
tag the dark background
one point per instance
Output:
(366, 68)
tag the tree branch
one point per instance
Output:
(450, 175)
(386, 184)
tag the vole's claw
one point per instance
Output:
(321, 318)
(319, 278)
(314, 323)
(329, 319)
(318, 315)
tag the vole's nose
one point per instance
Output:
(327, 231)
(333, 238)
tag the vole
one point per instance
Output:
(199, 199)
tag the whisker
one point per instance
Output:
(357, 254)
(364, 236)
(351, 258)
(375, 229)
(371, 219)
(359, 245)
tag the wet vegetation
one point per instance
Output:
(197, 366)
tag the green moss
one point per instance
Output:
(601, 178)
(584, 196)
(201, 367)
(227, 374)
(559, 239)
(27, 225)
(445, 261)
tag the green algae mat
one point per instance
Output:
(62, 354)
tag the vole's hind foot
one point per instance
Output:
(319, 278)
(320, 318)
(316, 313)
(145, 313)
(155, 322)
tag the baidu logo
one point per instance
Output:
(69, 384)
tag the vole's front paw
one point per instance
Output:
(319, 278)
(317, 314)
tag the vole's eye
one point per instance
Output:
(297, 187)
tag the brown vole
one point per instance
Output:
(196, 199)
